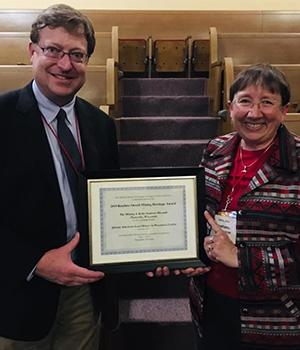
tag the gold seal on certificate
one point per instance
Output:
(137, 223)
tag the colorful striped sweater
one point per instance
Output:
(268, 240)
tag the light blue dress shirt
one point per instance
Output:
(49, 111)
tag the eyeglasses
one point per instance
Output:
(265, 104)
(56, 53)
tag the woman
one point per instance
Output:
(250, 298)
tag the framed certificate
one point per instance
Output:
(144, 218)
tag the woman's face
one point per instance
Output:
(256, 114)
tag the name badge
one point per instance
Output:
(227, 221)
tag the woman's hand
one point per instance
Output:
(189, 272)
(219, 247)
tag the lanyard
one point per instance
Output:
(62, 147)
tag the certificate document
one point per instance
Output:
(141, 220)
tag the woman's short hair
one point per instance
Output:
(264, 75)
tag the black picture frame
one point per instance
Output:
(137, 175)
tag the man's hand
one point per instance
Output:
(219, 247)
(57, 266)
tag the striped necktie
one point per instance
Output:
(70, 153)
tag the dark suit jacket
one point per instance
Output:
(32, 215)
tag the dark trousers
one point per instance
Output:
(221, 328)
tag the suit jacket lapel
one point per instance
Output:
(38, 145)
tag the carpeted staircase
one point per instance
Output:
(165, 123)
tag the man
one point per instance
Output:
(46, 300)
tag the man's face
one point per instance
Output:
(58, 78)
(256, 114)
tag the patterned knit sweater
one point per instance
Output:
(268, 240)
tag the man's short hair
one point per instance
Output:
(65, 16)
(266, 76)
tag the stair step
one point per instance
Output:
(166, 128)
(172, 153)
(164, 86)
(155, 310)
(137, 106)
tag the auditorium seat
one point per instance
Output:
(172, 56)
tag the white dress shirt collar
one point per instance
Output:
(49, 109)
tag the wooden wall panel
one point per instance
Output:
(169, 24)
(17, 20)
(175, 24)
(159, 24)
(281, 21)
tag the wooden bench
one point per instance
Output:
(247, 48)
(281, 49)
(99, 88)
(107, 46)
(14, 47)
(292, 72)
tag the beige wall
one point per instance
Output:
(158, 4)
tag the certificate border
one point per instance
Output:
(140, 175)
(102, 216)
